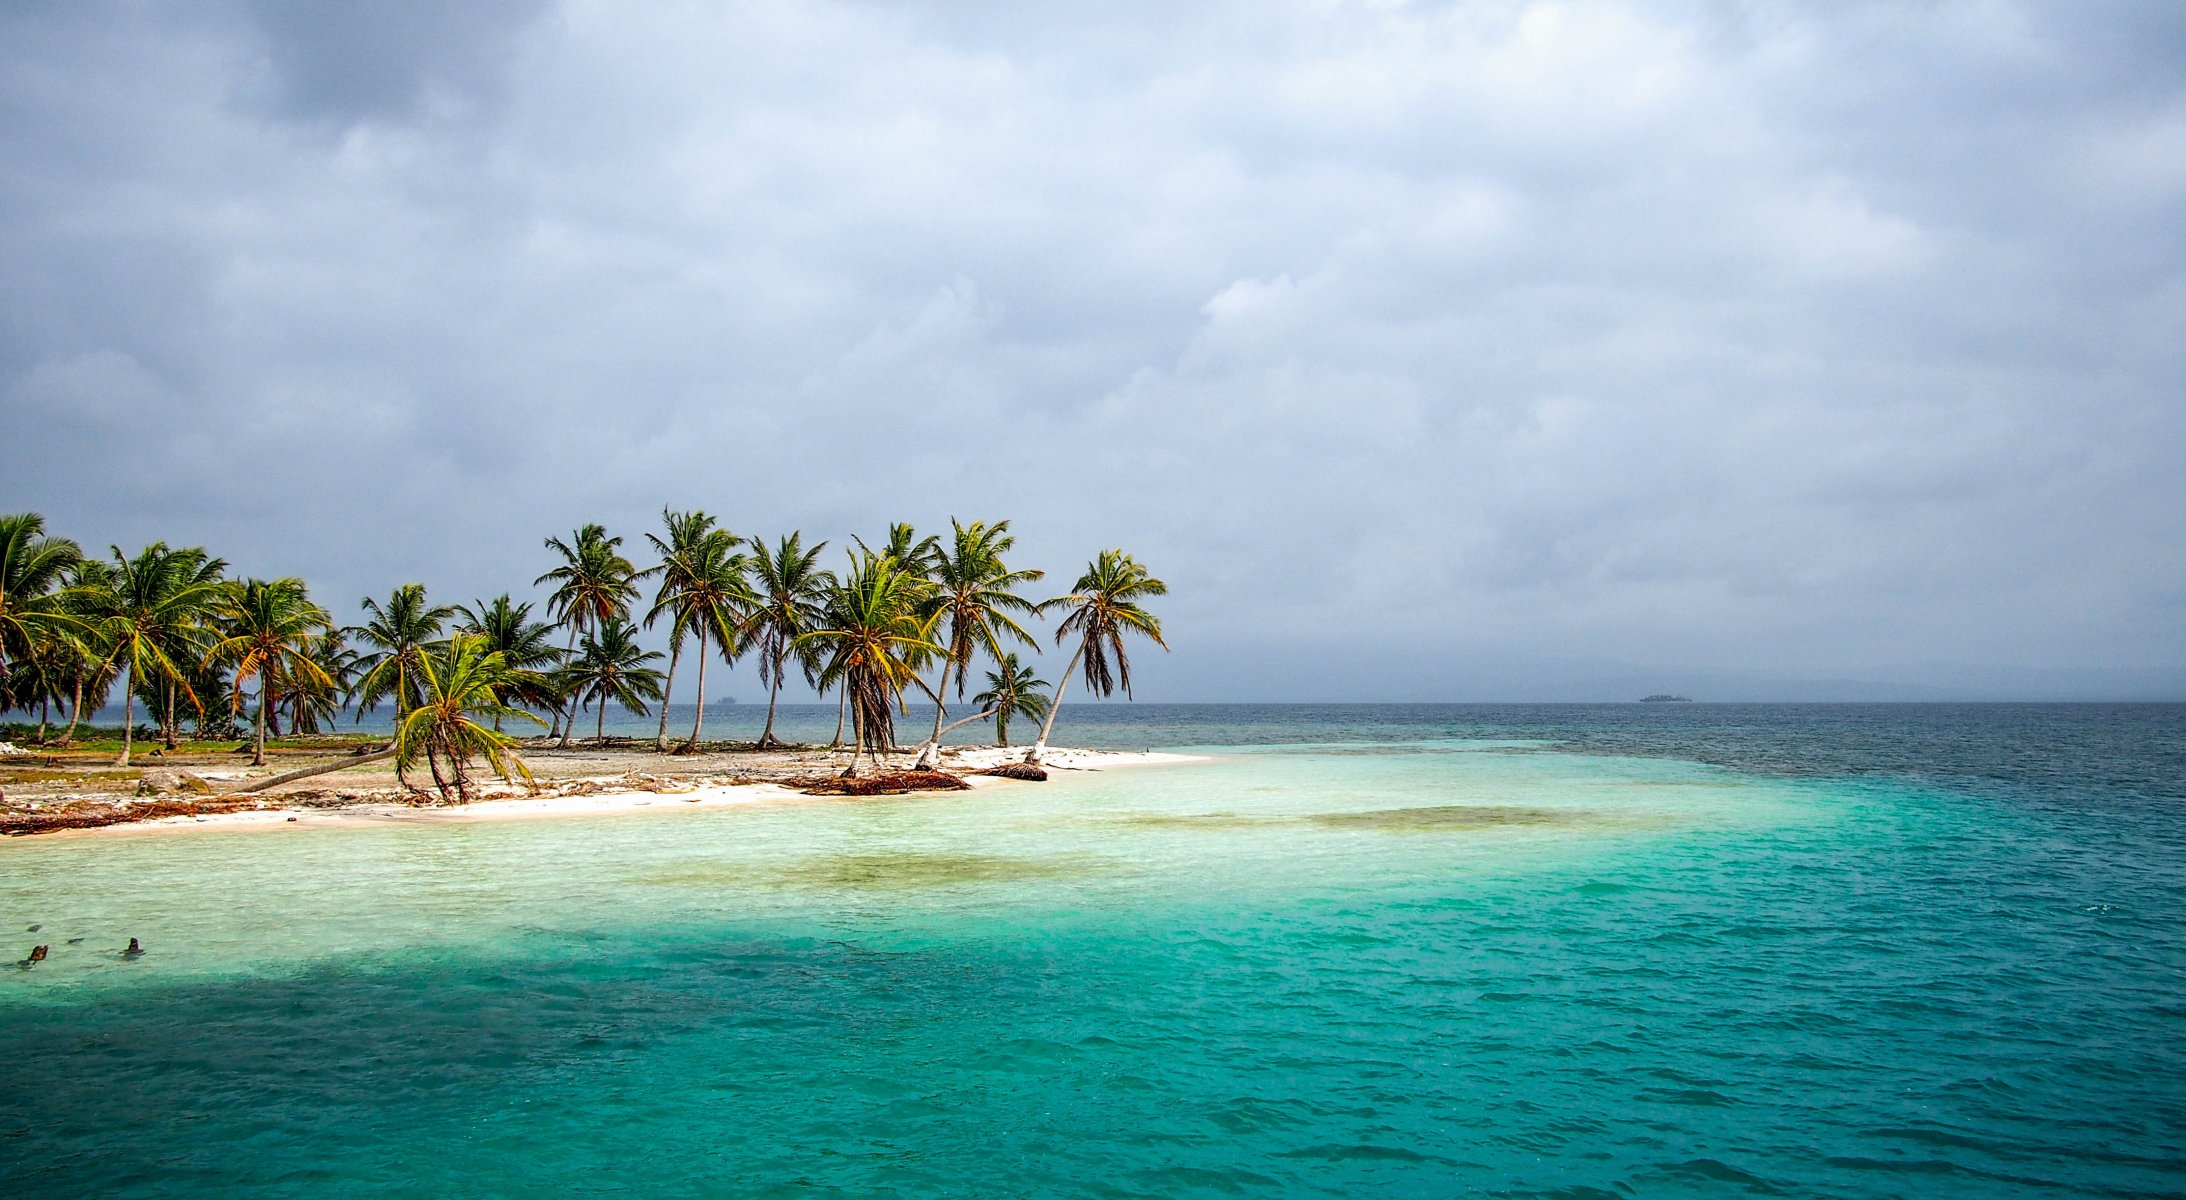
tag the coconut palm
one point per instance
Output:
(702, 591)
(612, 666)
(34, 578)
(1012, 690)
(91, 669)
(276, 636)
(314, 706)
(789, 593)
(526, 647)
(1103, 605)
(594, 584)
(400, 633)
(459, 681)
(878, 625)
(973, 596)
(146, 612)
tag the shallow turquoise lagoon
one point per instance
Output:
(1401, 965)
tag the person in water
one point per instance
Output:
(133, 950)
(37, 955)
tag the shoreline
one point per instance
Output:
(598, 794)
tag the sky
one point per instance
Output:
(1429, 351)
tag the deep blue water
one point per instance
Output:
(1580, 951)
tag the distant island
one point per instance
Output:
(1665, 698)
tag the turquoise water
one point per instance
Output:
(1403, 950)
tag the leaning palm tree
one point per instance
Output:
(701, 591)
(276, 636)
(460, 681)
(34, 589)
(878, 628)
(612, 666)
(526, 647)
(400, 633)
(145, 610)
(973, 596)
(1104, 605)
(1012, 690)
(594, 584)
(789, 593)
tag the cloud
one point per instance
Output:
(1413, 342)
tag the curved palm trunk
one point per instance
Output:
(698, 722)
(931, 751)
(75, 711)
(128, 711)
(558, 731)
(1054, 706)
(667, 692)
(842, 710)
(857, 735)
(774, 693)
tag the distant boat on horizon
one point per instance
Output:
(1665, 698)
(723, 700)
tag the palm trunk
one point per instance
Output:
(1054, 705)
(599, 733)
(258, 752)
(932, 749)
(857, 735)
(128, 711)
(698, 720)
(45, 710)
(842, 710)
(774, 692)
(167, 731)
(556, 730)
(667, 693)
(75, 711)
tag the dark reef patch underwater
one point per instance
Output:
(1678, 950)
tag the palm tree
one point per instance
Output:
(526, 647)
(612, 666)
(314, 706)
(1104, 605)
(789, 594)
(701, 590)
(34, 578)
(972, 596)
(145, 609)
(458, 681)
(91, 669)
(401, 631)
(877, 629)
(1012, 690)
(594, 584)
(276, 636)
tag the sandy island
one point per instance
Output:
(163, 794)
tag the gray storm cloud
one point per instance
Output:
(1467, 351)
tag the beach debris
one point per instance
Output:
(8, 750)
(1017, 770)
(894, 784)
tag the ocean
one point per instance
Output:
(1392, 950)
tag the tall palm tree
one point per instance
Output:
(145, 610)
(788, 600)
(34, 579)
(526, 648)
(275, 635)
(1104, 604)
(878, 626)
(1012, 690)
(701, 591)
(92, 670)
(400, 633)
(594, 584)
(973, 596)
(459, 680)
(612, 666)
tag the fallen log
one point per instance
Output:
(259, 785)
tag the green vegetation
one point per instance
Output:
(176, 634)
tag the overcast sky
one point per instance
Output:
(1429, 351)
